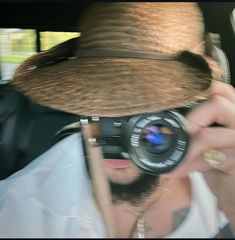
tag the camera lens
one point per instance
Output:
(157, 138)
(159, 141)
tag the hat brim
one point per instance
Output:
(114, 87)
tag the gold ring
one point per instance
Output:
(214, 157)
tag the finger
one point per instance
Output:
(201, 165)
(222, 89)
(214, 137)
(209, 138)
(216, 110)
(226, 166)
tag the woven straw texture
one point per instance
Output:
(123, 86)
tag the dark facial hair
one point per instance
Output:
(136, 191)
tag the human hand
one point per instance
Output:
(220, 108)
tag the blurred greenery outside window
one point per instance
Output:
(16, 45)
(50, 39)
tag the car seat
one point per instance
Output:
(26, 129)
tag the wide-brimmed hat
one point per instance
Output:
(131, 58)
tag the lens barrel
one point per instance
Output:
(158, 142)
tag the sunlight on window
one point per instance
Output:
(15, 46)
(50, 39)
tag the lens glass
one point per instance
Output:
(157, 138)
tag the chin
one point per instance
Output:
(122, 176)
(131, 186)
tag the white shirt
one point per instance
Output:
(204, 219)
(52, 197)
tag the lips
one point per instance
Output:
(118, 163)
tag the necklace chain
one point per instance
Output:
(140, 222)
(140, 226)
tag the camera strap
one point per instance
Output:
(99, 181)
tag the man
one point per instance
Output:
(132, 59)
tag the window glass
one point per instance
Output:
(15, 46)
(50, 39)
(18, 44)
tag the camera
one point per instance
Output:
(155, 142)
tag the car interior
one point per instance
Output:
(26, 128)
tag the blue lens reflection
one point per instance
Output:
(154, 135)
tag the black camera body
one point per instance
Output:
(155, 142)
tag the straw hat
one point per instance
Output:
(131, 58)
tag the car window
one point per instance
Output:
(18, 44)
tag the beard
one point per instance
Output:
(136, 191)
